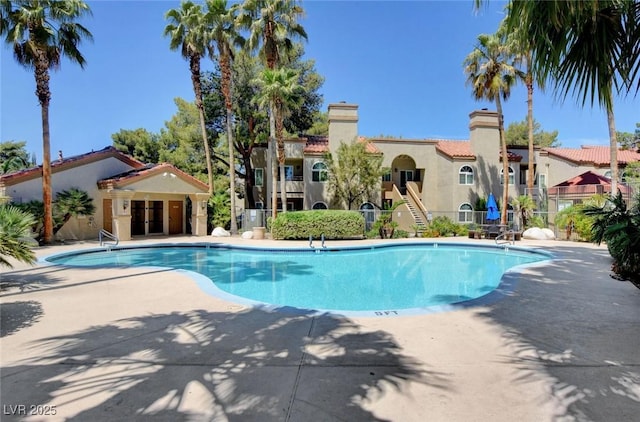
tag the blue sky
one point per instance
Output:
(401, 61)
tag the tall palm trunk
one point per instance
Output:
(272, 158)
(194, 65)
(529, 83)
(226, 91)
(281, 156)
(44, 97)
(505, 162)
(613, 149)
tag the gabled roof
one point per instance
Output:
(597, 156)
(132, 176)
(69, 163)
(455, 149)
(585, 182)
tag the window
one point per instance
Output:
(288, 173)
(319, 206)
(466, 175)
(386, 177)
(319, 172)
(259, 176)
(259, 205)
(465, 213)
(512, 176)
(542, 180)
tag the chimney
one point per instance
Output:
(343, 124)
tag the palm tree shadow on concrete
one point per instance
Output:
(574, 326)
(200, 365)
(15, 316)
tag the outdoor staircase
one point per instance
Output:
(417, 216)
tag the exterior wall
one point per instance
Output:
(314, 191)
(259, 160)
(83, 177)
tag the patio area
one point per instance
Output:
(561, 343)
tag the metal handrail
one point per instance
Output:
(103, 233)
(500, 239)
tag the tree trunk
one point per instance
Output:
(531, 173)
(281, 157)
(613, 148)
(505, 163)
(272, 158)
(44, 97)
(194, 65)
(226, 91)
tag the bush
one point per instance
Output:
(334, 224)
(619, 227)
(444, 226)
(574, 215)
(400, 234)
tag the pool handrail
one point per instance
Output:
(103, 233)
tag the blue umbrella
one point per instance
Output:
(492, 208)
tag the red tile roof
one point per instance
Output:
(71, 162)
(584, 183)
(513, 157)
(598, 156)
(455, 149)
(320, 145)
(316, 145)
(132, 176)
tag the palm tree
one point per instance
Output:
(41, 33)
(491, 73)
(589, 48)
(272, 24)
(224, 33)
(519, 44)
(72, 203)
(280, 88)
(12, 164)
(189, 33)
(15, 229)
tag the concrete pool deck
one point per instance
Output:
(147, 344)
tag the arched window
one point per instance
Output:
(319, 206)
(512, 176)
(319, 172)
(465, 213)
(466, 175)
(368, 211)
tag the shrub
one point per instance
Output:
(334, 224)
(574, 215)
(400, 234)
(619, 227)
(444, 226)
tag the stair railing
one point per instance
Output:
(416, 202)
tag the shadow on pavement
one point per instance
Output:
(254, 365)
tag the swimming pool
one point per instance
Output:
(385, 279)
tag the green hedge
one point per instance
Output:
(334, 224)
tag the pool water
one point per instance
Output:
(351, 279)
